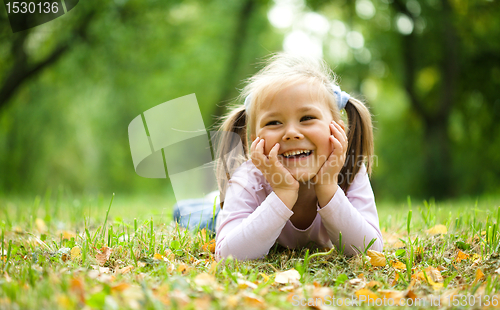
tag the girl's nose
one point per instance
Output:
(292, 133)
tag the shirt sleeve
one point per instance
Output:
(354, 214)
(250, 221)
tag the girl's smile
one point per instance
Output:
(298, 119)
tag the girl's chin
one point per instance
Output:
(304, 177)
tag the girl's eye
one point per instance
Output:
(307, 118)
(271, 123)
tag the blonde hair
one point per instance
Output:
(284, 70)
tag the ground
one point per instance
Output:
(89, 253)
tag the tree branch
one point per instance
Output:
(21, 71)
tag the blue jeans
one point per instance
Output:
(198, 213)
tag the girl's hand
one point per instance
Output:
(326, 180)
(283, 183)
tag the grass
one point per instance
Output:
(61, 252)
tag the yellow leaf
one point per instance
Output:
(398, 265)
(365, 295)
(475, 256)
(75, 252)
(438, 229)
(377, 259)
(266, 277)
(288, 276)
(243, 284)
(461, 256)
(158, 256)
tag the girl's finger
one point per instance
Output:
(260, 150)
(273, 154)
(339, 133)
(337, 146)
(254, 144)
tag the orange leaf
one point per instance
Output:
(158, 256)
(395, 281)
(479, 276)
(120, 287)
(365, 295)
(210, 246)
(183, 268)
(76, 286)
(461, 256)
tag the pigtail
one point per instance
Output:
(231, 149)
(360, 137)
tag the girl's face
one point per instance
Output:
(299, 122)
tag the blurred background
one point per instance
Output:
(428, 69)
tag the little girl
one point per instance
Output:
(306, 178)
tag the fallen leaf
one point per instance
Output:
(232, 301)
(169, 255)
(243, 284)
(373, 284)
(377, 259)
(120, 287)
(435, 274)
(479, 276)
(398, 265)
(438, 229)
(182, 268)
(396, 296)
(103, 257)
(461, 256)
(209, 246)
(76, 286)
(365, 295)
(395, 281)
(497, 271)
(266, 277)
(288, 276)
(252, 300)
(75, 252)
(124, 270)
(158, 256)
(204, 279)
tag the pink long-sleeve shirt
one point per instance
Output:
(254, 218)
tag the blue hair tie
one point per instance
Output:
(340, 96)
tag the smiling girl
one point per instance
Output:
(307, 176)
